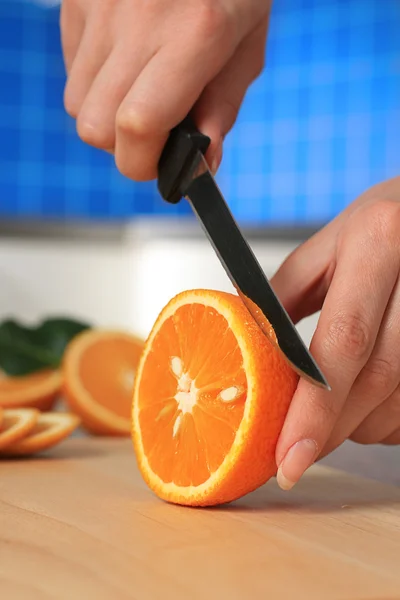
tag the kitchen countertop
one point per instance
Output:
(143, 227)
(80, 523)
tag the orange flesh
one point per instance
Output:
(17, 384)
(205, 425)
(105, 364)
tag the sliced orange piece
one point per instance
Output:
(37, 390)
(17, 423)
(99, 370)
(210, 398)
(50, 429)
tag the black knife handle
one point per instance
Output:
(176, 159)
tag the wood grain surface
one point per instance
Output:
(79, 523)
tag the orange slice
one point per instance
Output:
(210, 398)
(50, 429)
(17, 423)
(99, 370)
(38, 390)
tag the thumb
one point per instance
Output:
(216, 110)
(302, 281)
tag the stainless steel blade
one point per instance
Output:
(245, 272)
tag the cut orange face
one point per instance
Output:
(48, 430)
(37, 390)
(99, 369)
(210, 398)
(16, 424)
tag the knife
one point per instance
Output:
(184, 172)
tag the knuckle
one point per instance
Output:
(349, 336)
(134, 122)
(383, 219)
(381, 376)
(212, 20)
(94, 136)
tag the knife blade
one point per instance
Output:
(183, 172)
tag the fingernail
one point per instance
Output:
(297, 460)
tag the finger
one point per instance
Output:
(93, 51)
(393, 439)
(301, 282)
(97, 116)
(347, 329)
(380, 423)
(163, 94)
(218, 106)
(72, 24)
(366, 405)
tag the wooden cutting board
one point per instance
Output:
(80, 524)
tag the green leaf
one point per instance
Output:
(25, 349)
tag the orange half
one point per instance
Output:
(48, 430)
(16, 424)
(37, 390)
(210, 399)
(99, 370)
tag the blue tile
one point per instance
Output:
(54, 149)
(8, 198)
(320, 125)
(10, 30)
(53, 92)
(53, 201)
(99, 203)
(10, 89)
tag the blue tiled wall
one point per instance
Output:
(321, 125)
